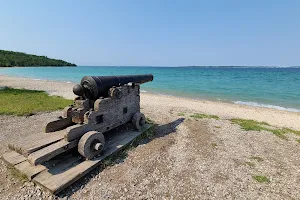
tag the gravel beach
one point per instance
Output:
(188, 158)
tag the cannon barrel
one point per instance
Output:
(93, 87)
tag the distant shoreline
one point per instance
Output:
(34, 66)
(14, 58)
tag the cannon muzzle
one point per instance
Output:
(93, 87)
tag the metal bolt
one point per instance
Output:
(98, 146)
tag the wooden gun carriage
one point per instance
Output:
(103, 104)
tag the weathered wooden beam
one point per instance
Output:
(76, 131)
(45, 154)
(58, 124)
(29, 170)
(13, 158)
(32, 144)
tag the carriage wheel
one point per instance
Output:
(138, 121)
(91, 144)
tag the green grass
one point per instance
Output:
(202, 116)
(27, 102)
(257, 158)
(261, 179)
(149, 121)
(181, 114)
(288, 130)
(250, 164)
(252, 125)
(298, 140)
(214, 145)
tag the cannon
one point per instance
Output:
(93, 87)
(103, 103)
(85, 134)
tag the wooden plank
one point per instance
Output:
(30, 140)
(13, 158)
(76, 131)
(33, 144)
(65, 164)
(45, 154)
(29, 170)
(58, 160)
(36, 141)
(58, 125)
(56, 182)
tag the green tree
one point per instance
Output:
(10, 58)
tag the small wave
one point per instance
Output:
(36, 79)
(68, 82)
(254, 104)
(144, 91)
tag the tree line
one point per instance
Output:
(12, 59)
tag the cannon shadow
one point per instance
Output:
(156, 131)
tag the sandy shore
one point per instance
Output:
(224, 110)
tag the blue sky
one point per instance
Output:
(155, 33)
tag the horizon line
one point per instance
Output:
(262, 66)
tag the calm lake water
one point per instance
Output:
(267, 87)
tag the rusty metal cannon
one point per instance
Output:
(103, 103)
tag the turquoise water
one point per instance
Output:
(267, 87)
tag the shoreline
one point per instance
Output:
(187, 96)
(225, 110)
